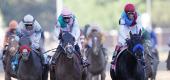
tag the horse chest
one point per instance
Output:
(68, 69)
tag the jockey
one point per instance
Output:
(11, 31)
(129, 21)
(68, 22)
(29, 27)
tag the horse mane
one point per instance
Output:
(100, 33)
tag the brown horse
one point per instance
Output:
(30, 66)
(130, 64)
(9, 54)
(96, 56)
(67, 64)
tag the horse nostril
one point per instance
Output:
(69, 50)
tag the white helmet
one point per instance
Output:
(28, 19)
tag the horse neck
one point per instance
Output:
(129, 60)
(31, 61)
(92, 53)
(97, 60)
(69, 63)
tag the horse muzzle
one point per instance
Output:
(25, 56)
(69, 50)
(95, 50)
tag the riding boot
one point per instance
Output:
(84, 62)
(114, 57)
(39, 52)
(117, 49)
(104, 52)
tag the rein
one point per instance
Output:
(141, 60)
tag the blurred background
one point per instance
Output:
(105, 13)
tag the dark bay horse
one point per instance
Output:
(9, 54)
(67, 63)
(30, 66)
(152, 62)
(130, 64)
(96, 56)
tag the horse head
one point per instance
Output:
(135, 45)
(67, 42)
(24, 49)
(13, 45)
(96, 39)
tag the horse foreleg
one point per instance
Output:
(84, 75)
(52, 73)
(90, 76)
(96, 77)
(7, 76)
(45, 72)
(103, 75)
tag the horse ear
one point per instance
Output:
(74, 39)
(130, 34)
(19, 43)
(140, 32)
(60, 36)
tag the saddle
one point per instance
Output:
(117, 56)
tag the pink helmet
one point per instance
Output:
(66, 12)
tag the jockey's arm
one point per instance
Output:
(76, 30)
(57, 31)
(122, 35)
(19, 29)
(36, 36)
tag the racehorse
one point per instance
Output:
(30, 65)
(96, 56)
(67, 62)
(11, 50)
(130, 63)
